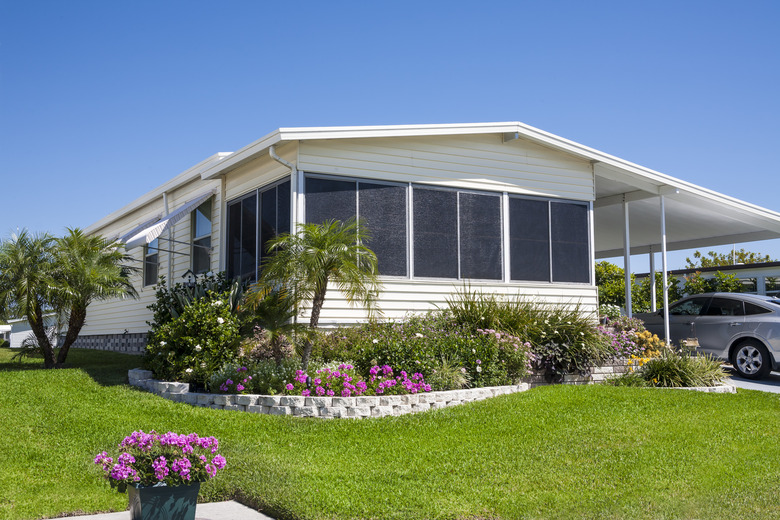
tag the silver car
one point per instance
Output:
(743, 329)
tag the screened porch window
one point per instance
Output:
(382, 207)
(252, 221)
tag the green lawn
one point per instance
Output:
(555, 452)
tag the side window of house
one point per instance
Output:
(274, 215)
(151, 262)
(201, 238)
(569, 238)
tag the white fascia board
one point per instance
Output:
(180, 180)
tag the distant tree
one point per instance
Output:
(611, 283)
(713, 259)
(721, 282)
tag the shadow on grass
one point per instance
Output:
(105, 368)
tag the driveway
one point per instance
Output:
(769, 384)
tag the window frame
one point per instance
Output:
(147, 263)
(197, 238)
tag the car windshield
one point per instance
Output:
(775, 301)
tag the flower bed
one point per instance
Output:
(325, 407)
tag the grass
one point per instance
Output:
(553, 452)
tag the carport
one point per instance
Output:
(641, 211)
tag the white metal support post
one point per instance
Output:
(627, 257)
(653, 302)
(665, 270)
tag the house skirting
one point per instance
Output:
(130, 343)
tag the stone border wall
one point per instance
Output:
(322, 407)
(130, 343)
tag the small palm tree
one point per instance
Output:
(306, 263)
(27, 264)
(88, 268)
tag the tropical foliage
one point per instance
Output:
(308, 262)
(41, 274)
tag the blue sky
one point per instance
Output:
(101, 102)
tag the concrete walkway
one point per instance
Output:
(213, 511)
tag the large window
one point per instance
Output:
(382, 207)
(201, 238)
(252, 221)
(457, 234)
(549, 241)
(151, 262)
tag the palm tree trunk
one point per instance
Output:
(76, 320)
(316, 307)
(39, 329)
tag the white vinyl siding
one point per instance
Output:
(480, 162)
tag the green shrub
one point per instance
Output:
(170, 302)
(194, 345)
(419, 343)
(4, 343)
(674, 369)
(564, 339)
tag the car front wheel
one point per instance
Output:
(751, 360)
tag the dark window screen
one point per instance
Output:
(268, 219)
(569, 234)
(328, 199)
(248, 269)
(480, 236)
(435, 233)
(383, 209)
(234, 239)
(529, 240)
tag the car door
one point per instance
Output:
(683, 315)
(721, 321)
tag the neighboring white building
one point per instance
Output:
(506, 207)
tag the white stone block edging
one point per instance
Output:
(316, 406)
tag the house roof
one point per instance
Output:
(695, 216)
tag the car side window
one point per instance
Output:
(725, 307)
(753, 309)
(690, 307)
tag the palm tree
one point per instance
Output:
(305, 264)
(27, 264)
(88, 268)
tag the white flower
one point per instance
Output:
(479, 368)
(375, 341)
(216, 303)
(418, 335)
(198, 348)
(189, 370)
(203, 365)
(220, 321)
(162, 343)
(473, 351)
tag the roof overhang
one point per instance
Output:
(695, 216)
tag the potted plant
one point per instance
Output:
(162, 472)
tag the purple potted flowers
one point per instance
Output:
(162, 472)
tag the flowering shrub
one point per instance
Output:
(260, 377)
(343, 381)
(260, 346)
(622, 342)
(419, 343)
(196, 343)
(146, 459)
